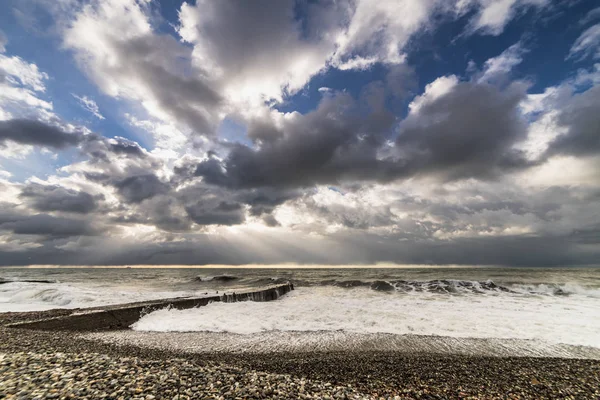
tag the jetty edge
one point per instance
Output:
(121, 316)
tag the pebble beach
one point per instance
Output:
(63, 365)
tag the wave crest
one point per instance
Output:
(453, 286)
(216, 278)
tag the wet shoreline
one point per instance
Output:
(338, 374)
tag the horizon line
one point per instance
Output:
(283, 266)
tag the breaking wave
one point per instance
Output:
(35, 296)
(556, 319)
(448, 286)
(216, 278)
(2, 281)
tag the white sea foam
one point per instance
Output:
(572, 319)
(558, 289)
(27, 296)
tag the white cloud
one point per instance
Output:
(357, 63)
(587, 44)
(499, 67)
(433, 90)
(493, 15)
(243, 55)
(116, 45)
(588, 77)
(169, 141)
(19, 72)
(89, 105)
(21, 97)
(543, 110)
(21, 84)
(257, 51)
(380, 29)
(541, 133)
(15, 151)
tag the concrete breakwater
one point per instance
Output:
(121, 316)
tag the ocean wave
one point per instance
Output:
(556, 319)
(431, 286)
(27, 296)
(216, 278)
(2, 281)
(452, 286)
(556, 289)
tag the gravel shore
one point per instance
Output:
(40, 365)
(97, 376)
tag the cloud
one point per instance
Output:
(498, 68)
(358, 248)
(270, 221)
(37, 133)
(587, 44)
(468, 131)
(89, 105)
(56, 198)
(47, 225)
(472, 169)
(120, 145)
(401, 80)
(280, 44)
(379, 30)
(18, 71)
(216, 212)
(580, 115)
(21, 85)
(493, 15)
(135, 189)
(278, 54)
(433, 91)
(3, 42)
(455, 130)
(319, 147)
(591, 16)
(115, 44)
(44, 224)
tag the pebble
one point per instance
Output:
(47, 365)
(24, 375)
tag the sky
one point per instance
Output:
(297, 131)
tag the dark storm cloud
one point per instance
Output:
(265, 200)
(119, 145)
(354, 248)
(150, 201)
(587, 235)
(216, 213)
(57, 198)
(468, 132)
(259, 130)
(135, 189)
(43, 224)
(212, 206)
(581, 117)
(323, 146)
(165, 212)
(36, 133)
(271, 221)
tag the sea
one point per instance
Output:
(556, 305)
